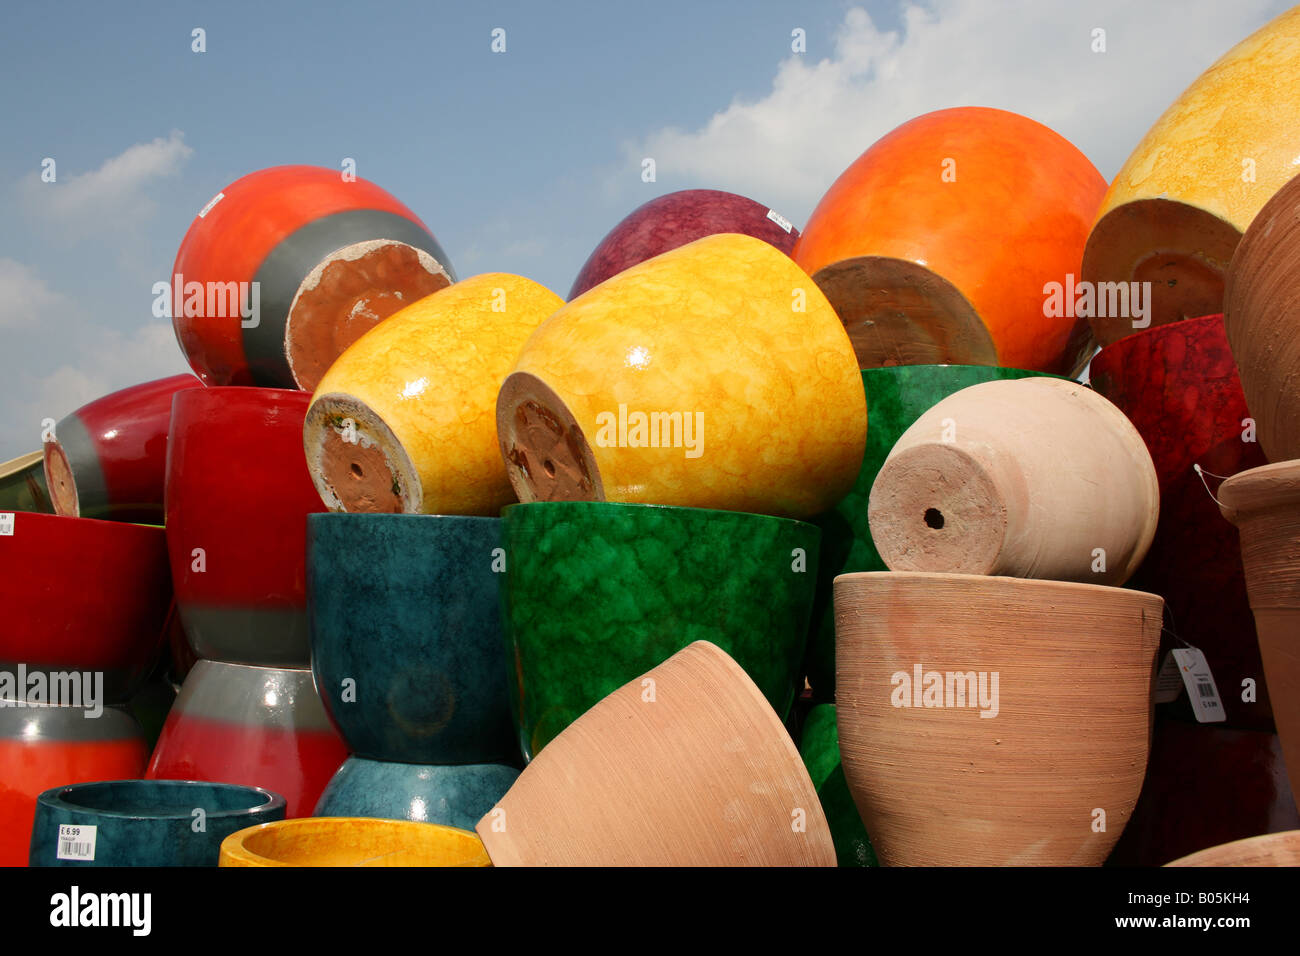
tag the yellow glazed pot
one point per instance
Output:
(716, 375)
(352, 841)
(403, 420)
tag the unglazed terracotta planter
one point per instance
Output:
(993, 721)
(407, 648)
(286, 267)
(1272, 849)
(44, 747)
(685, 766)
(455, 796)
(1037, 478)
(22, 484)
(666, 222)
(238, 496)
(1263, 293)
(405, 420)
(640, 392)
(108, 459)
(1178, 384)
(83, 595)
(1264, 504)
(597, 593)
(255, 726)
(937, 244)
(1178, 207)
(352, 841)
(819, 747)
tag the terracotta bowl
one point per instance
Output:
(1272, 849)
(456, 796)
(597, 593)
(687, 765)
(238, 496)
(22, 484)
(820, 749)
(993, 721)
(83, 595)
(352, 841)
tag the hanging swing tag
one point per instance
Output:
(1169, 682)
(1201, 690)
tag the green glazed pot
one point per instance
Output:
(598, 593)
(820, 749)
(896, 397)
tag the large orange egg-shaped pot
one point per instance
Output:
(939, 244)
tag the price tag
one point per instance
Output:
(6, 523)
(77, 842)
(1201, 689)
(212, 202)
(1169, 682)
(780, 220)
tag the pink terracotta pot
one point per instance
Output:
(1273, 849)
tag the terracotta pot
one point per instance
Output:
(638, 392)
(1264, 504)
(22, 484)
(1262, 295)
(819, 747)
(685, 766)
(1038, 478)
(936, 244)
(1178, 207)
(405, 420)
(238, 496)
(108, 459)
(1272, 849)
(352, 841)
(993, 721)
(84, 596)
(1178, 385)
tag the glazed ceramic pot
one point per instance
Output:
(238, 496)
(640, 392)
(666, 222)
(1264, 504)
(43, 747)
(1262, 294)
(1271, 849)
(1205, 785)
(1178, 385)
(352, 841)
(254, 726)
(407, 646)
(108, 459)
(1178, 207)
(820, 749)
(597, 593)
(405, 420)
(83, 595)
(286, 267)
(993, 721)
(144, 822)
(897, 396)
(456, 796)
(687, 765)
(22, 484)
(938, 243)
(1037, 478)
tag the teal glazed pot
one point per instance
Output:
(598, 593)
(820, 748)
(897, 396)
(145, 822)
(455, 796)
(405, 624)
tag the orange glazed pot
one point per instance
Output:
(935, 246)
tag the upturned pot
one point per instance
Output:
(1271, 849)
(456, 796)
(22, 484)
(685, 766)
(1037, 478)
(946, 768)
(352, 841)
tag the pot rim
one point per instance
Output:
(611, 505)
(234, 846)
(56, 798)
(999, 580)
(1259, 489)
(1213, 854)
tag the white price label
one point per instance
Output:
(1201, 689)
(6, 522)
(212, 202)
(1169, 682)
(77, 842)
(780, 220)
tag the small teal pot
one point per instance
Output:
(456, 796)
(407, 648)
(145, 822)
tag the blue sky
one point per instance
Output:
(519, 161)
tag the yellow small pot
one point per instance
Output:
(403, 420)
(352, 841)
(716, 375)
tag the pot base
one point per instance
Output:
(356, 461)
(546, 453)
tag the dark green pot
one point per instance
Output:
(820, 749)
(598, 593)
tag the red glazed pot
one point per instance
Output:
(315, 261)
(107, 459)
(83, 595)
(238, 496)
(1178, 384)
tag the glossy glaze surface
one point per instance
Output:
(456, 796)
(352, 841)
(820, 749)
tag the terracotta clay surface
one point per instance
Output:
(1178, 207)
(686, 766)
(1036, 478)
(1272, 849)
(935, 245)
(941, 784)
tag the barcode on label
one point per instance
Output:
(76, 842)
(73, 851)
(6, 523)
(1206, 690)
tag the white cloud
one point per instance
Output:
(24, 297)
